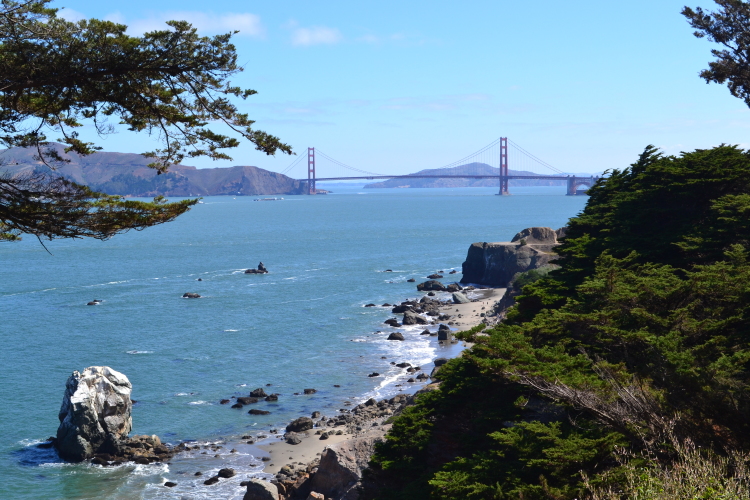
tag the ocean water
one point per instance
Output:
(303, 325)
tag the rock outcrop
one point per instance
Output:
(341, 466)
(95, 413)
(95, 419)
(338, 473)
(261, 270)
(261, 490)
(431, 285)
(412, 318)
(495, 264)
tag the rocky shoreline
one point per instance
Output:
(335, 469)
(318, 456)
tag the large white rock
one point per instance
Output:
(95, 413)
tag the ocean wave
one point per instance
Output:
(230, 330)
(139, 352)
(199, 403)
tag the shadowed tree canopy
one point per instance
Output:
(56, 76)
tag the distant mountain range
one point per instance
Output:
(468, 169)
(127, 174)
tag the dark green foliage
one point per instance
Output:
(56, 75)
(170, 83)
(728, 27)
(531, 276)
(530, 460)
(677, 210)
(643, 333)
(53, 207)
(456, 443)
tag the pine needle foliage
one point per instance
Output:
(57, 75)
(639, 340)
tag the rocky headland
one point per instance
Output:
(497, 264)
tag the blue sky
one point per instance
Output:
(399, 86)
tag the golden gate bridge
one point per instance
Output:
(478, 165)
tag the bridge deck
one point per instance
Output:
(372, 177)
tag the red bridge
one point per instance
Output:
(475, 166)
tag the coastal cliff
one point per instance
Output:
(495, 264)
(129, 175)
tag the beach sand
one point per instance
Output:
(467, 316)
(464, 317)
(312, 446)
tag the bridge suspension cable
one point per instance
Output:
(321, 153)
(294, 163)
(531, 156)
(482, 163)
(466, 158)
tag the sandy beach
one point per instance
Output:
(466, 316)
(463, 317)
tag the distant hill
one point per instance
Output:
(127, 174)
(468, 169)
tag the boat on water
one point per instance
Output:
(268, 199)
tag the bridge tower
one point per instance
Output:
(503, 166)
(311, 171)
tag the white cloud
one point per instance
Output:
(316, 35)
(70, 15)
(247, 24)
(115, 17)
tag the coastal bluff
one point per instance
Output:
(495, 264)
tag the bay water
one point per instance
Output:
(303, 325)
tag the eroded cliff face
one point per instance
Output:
(495, 264)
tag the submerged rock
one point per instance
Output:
(190, 295)
(396, 336)
(261, 270)
(245, 400)
(431, 285)
(227, 473)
